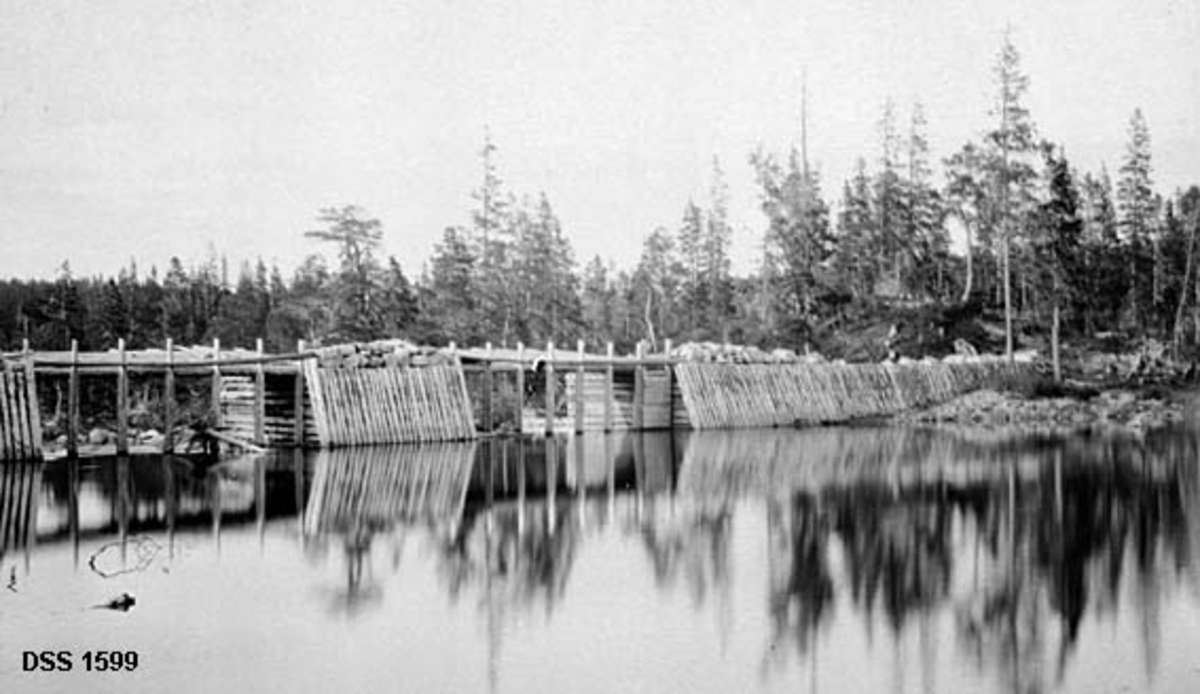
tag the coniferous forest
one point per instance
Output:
(1048, 247)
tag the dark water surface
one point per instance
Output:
(832, 560)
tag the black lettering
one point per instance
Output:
(29, 661)
(64, 661)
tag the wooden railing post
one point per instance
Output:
(298, 401)
(579, 381)
(168, 444)
(608, 389)
(260, 397)
(670, 373)
(639, 388)
(488, 387)
(33, 411)
(73, 403)
(551, 400)
(122, 400)
(216, 382)
(520, 387)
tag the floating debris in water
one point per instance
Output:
(123, 603)
(105, 564)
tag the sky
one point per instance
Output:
(142, 129)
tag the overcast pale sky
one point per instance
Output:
(145, 129)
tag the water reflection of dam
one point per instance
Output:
(375, 489)
(1013, 545)
(19, 484)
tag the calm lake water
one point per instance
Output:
(832, 560)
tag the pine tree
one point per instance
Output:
(453, 290)
(718, 238)
(357, 313)
(855, 252)
(691, 255)
(798, 231)
(927, 243)
(1013, 148)
(596, 300)
(1137, 212)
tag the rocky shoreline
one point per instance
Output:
(1117, 407)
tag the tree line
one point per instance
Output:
(1046, 245)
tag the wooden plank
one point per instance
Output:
(7, 447)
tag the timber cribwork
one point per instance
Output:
(20, 423)
(721, 396)
(388, 405)
(394, 392)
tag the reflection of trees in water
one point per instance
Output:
(898, 551)
(691, 544)
(1021, 537)
(20, 484)
(800, 587)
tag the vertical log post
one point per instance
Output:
(670, 384)
(551, 400)
(216, 382)
(35, 416)
(73, 404)
(168, 444)
(122, 400)
(520, 387)
(579, 395)
(639, 389)
(608, 389)
(298, 399)
(260, 397)
(488, 387)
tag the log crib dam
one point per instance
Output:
(395, 392)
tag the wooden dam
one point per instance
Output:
(394, 392)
